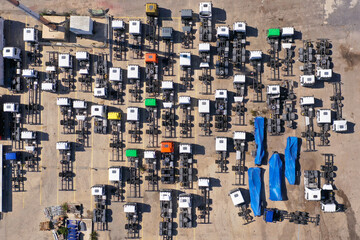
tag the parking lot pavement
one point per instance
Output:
(313, 19)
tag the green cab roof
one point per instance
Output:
(274, 32)
(150, 102)
(131, 153)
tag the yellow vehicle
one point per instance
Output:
(152, 9)
(114, 116)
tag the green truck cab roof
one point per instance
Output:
(150, 102)
(131, 153)
(273, 32)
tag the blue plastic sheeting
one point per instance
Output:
(255, 190)
(291, 152)
(269, 216)
(259, 125)
(275, 178)
(10, 156)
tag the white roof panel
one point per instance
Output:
(62, 146)
(114, 174)
(11, 107)
(11, 52)
(63, 101)
(255, 55)
(167, 85)
(204, 65)
(273, 89)
(185, 148)
(65, 60)
(50, 69)
(328, 187)
(204, 47)
(204, 106)
(29, 73)
(328, 207)
(79, 104)
(129, 208)
(47, 86)
(239, 135)
(204, 182)
(84, 71)
(312, 194)
(239, 78)
(97, 191)
(184, 100)
(307, 79)
(286, 45)
(238, 155)
(149, 154)
(100, 92)
(287, 31)
(221, 94)
(323, 74)
(323, 116)
(133, 72)
(115, 74)
(221, 144)
(185, 59)
(118, 24)
(205, 9)
(237, 197)
(238, 99)
(239, 27)
(184, 201)
(340, 126)
(307, 101)
(82, 55)
(168, 104)
(29, 35)
(135, 27)
(165, 196)
(223, 31)
(30, 148)
(133, 114)
(80, 117)
(28, 135)
(98, 111)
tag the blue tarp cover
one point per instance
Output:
(11, 156)
(255, 189)
(269, 216)
(275, 178)
(291, 152)
(259, 139)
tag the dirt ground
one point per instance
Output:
(335, 20)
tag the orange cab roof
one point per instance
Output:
(167, 147)
(151, 57)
